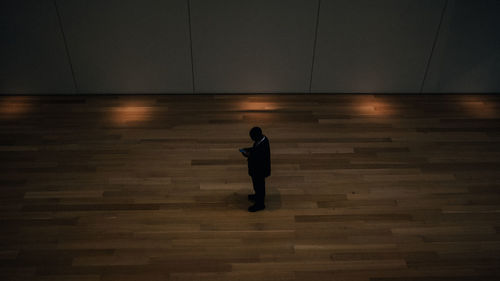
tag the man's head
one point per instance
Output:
(256, 134)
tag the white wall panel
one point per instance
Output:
(32, 53)
(367, 46)
(467, 55)
(128, 46)
(253, 46)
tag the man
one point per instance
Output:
(259, 167)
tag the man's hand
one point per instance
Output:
(244, 151)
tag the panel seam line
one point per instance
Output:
(436, 37)
(314, 46)
(75, 84)
(191, 45)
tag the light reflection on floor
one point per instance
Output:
(131, 112)
(373, 106)
(258, 110)
(478, 107)
(248, 105)
(14, 106)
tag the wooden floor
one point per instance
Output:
(363, 188)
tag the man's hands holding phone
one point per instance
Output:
(244, 151)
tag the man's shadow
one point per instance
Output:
(239, 199)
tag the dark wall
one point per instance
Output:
(33, 58)
(128, 45)
(374, 46)
(240, 46)
(253, 46)
(467, 54)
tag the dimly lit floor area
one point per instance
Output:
(363, 187)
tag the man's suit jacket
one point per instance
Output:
(259, 159)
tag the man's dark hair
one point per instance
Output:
(256, 133)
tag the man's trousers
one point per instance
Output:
(259, 186)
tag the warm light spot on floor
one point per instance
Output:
(478, 108)
(247, 105)
(259, 110)
(369, 105)
(14, 106)
(131, 112)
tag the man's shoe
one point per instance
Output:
(255, 208)
(251, 197)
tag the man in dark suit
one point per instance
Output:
(259, 167)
